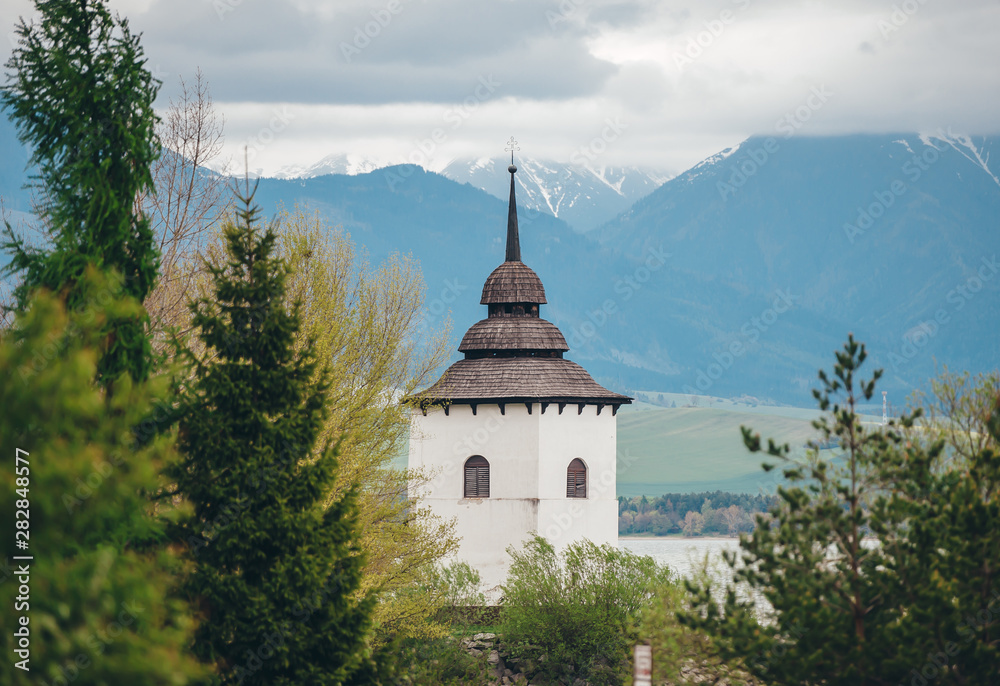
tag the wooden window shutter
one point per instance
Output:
(483, 481)
(477, 477)
(576, 479)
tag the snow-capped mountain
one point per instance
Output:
(350, 164)
(583, 197)
(738, 276)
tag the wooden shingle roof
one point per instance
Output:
(514, 356)
(513, 282)
(513, 379)
(513, 333)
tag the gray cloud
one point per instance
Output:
(565, 66)
(420, 52)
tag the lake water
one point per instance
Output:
(680, 554)
(683, 555)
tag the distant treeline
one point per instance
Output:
(692, 514)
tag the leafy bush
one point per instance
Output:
(575, 613)
(101, 611)
(434, 656)
(457, 587)
(428, 662)
(683, 655)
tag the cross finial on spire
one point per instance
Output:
(511, 147)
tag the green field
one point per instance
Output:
(686, 450)
(694, 449)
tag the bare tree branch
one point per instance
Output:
(190, 200)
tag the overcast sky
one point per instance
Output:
(637, 82)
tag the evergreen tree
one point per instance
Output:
(275, 572)
(81, 98)
(921, 605)
(98, 611)
(939, 521)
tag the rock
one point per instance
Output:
(508, 672)
(475, 652)
(494, 657)
(484, 637)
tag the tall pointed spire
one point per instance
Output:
(513, 240)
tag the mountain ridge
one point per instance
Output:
(739, 276)
(584, 196)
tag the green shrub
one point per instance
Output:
(429, 662)
(574, 613)
(676, 646)
(430, 659)
(457, 586)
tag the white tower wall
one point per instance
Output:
(528, 455)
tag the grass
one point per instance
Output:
(687, 450)
(695, 449)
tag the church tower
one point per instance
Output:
(515, 438)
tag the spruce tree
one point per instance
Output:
(79, 93)
(98, 611)
(275, 572)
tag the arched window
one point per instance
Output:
(576, 479)
(477, 477)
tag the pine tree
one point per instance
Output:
(275, 573)
(98, 611)
(82, 99)
(921, 605)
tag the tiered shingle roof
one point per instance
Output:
(513, 282)
(513, 333)
(520, 379)
(514, 355)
